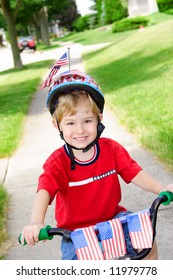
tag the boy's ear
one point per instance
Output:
(101, 117)
(54, 122)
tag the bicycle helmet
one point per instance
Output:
(74, 80)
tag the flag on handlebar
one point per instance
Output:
(112, 238)
(86, 244)
(62, 61)
(140, 230)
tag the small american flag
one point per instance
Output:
(86, 244)
(140, 230)
(112, 238)
(62, 61)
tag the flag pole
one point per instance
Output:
(69, 62)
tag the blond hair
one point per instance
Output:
(68, 104)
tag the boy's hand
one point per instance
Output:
(169, 188)
(30, 234)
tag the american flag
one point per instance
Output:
(62, 61)
(140, 230)
(112, 238)
(86, 244)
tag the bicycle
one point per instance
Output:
(164, 198)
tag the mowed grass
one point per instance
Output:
(135, 75)
(104, 34)
(3, 215)
(17, 88)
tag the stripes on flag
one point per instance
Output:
(62, 61)
(112, 238)
(86, 244)
(140, 230)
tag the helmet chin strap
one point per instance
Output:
(100, 128)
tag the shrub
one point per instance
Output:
(165, 5)
(170, 12)
(129, 24)
(81, 24)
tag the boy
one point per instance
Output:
(83, 174)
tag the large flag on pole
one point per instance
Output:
(62, 61)
(140, 230)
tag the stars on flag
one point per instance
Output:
(112, 238)
(60, 62)
(140, 230)
(86, 244)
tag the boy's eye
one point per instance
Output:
(88, 121)
(69, 123)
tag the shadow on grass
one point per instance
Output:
(33, 66)
(45, 48)
(130, 70)
(15, 96)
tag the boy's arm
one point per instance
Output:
(30, 233)
(146, 182)
(40, 207)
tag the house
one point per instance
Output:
(142, 7)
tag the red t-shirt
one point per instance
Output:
(91, 193)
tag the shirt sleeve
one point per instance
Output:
(52, 177)
(127, 167)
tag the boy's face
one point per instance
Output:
(80, 129)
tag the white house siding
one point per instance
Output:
(141, 7)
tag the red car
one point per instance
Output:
(26, 43)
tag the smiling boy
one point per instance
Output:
(83, 174)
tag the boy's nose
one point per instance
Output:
(79, 128)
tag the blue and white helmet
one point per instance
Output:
(70, 81)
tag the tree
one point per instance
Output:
(37, 14)
(114, 10)
(19, 14)
(2, 27)
(10, 17)
(66, 13)
(33, 15)
(109, 11)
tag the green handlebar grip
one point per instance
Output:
(43, 235)
(169, 196)
(20, 240)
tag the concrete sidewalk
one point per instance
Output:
(21, 172)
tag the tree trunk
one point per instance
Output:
(44, 26)
(1, 40)
(11, 28)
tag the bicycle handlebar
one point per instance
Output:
(48, 232)
(168, 195)
(43, 235)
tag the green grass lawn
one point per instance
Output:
(3, 214)
(104, 33)
(16, 91)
